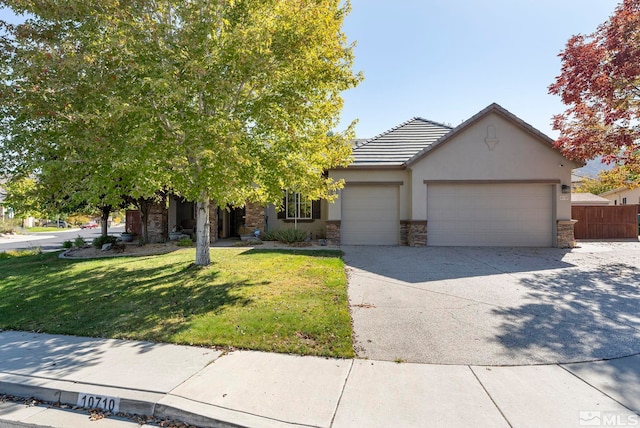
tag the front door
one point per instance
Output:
(230, 220)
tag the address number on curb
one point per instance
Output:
(92, 401)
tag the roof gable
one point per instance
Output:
(396, 146)
(491, 109)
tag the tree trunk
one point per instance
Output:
(203, 258)
(104, 219)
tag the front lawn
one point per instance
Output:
(43, 229)
(269, 300)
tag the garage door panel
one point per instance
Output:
(370, 215)
(490, 214)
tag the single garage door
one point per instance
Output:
(370, 215)
(490, 215)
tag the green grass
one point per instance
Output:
(39, 229)
(280, 301)
(19, 253)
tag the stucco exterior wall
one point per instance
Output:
(492, 149)
(316, 227)
(334, 210)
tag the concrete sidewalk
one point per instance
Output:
(206, 388)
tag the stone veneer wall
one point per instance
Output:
(417, 233)
(566, 238)
(333, 231)
(158, 226)
(404, 232)
(254, 217)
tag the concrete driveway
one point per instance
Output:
(495, 306)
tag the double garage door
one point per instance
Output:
(490, 214)
(458, 215)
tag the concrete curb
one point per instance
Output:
(147, 403)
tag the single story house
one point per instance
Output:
(588, 199)
(494, 180)
(623, 196)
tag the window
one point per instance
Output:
(624, 201)
(297, 206)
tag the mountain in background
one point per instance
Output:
(592, 168)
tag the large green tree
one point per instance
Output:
(227, 101)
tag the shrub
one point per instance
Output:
(184, 242)
(67, 244)
(269, 236)
(80, 242)
(10, 225)
(288, 236)
(108, 239)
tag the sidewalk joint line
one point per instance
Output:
(490, 397)
(344, 386)
(595, 387)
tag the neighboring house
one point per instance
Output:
(494, 180)
(623, 196)
(576, 180)
(5, 213)
(589, 199)
(3, 210)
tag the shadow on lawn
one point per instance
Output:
(123, 299)
(576, 315)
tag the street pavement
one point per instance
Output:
(51, 241)
(207, 388)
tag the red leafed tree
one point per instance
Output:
(600, 84)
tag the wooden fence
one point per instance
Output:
(606, 222)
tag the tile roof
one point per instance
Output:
(410, 141)
(399, 144)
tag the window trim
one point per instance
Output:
(300, 200)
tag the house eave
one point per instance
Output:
(370, 167)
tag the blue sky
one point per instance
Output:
(446, 60)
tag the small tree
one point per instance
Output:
(22, 198)
(600, 84)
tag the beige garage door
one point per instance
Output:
(370, 215)
(490, 215)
